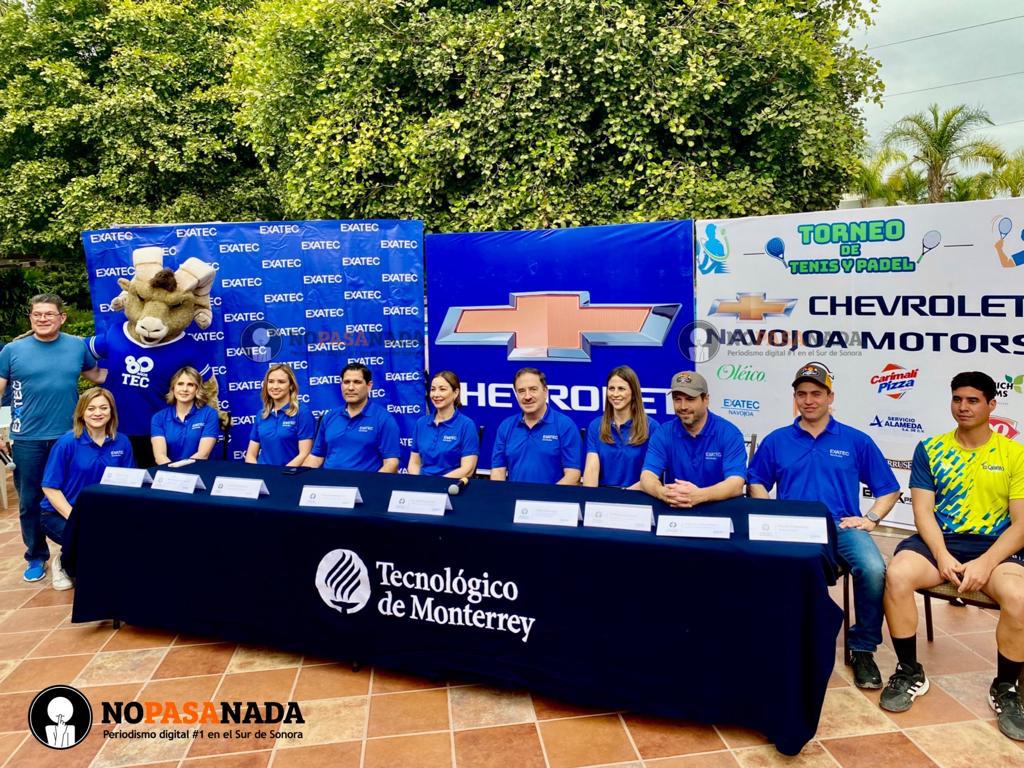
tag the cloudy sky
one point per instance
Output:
(949, 52)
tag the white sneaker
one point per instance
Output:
(61, 581)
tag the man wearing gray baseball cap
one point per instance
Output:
(700, 453)
(817, 458)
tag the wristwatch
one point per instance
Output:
(873, 517)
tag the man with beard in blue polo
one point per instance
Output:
(540, 445)
(816, 458)
(700, 454)
(361, 435)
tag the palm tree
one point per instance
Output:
(1008, 176)
(936, 141)
(976, 187)
(869, 180)
(907, 185)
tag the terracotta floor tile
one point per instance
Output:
(656, 737)
(394, 682)
(707, 760)
(428, 750)
(877, 750)
(179, 689)
(586, 741)
(129, 638)
(36, 674)
(97, 694)
(32, 754)
(50, 597)
(14, 710)
(18, 644)
(271, 685)
(966, 745)
(955, 620)
(255, 659)
(737, 738)
(248, 760)
(935, 707)
(9, 743)
(70, 641)
(475, 707)
(120, 667)
(969, 689)
(411, 712)
(327, 681)
(118, 752)
(551, 709)
(811, 756)
(946, 656)
(25, 619)
(192, 660)
(343, 755)
(194, 640)
(509, 745)
(328, 721)
(15, 598)
(847, 712)
(222, 739)
(982, 643)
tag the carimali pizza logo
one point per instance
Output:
(894, 381)
(343, 581)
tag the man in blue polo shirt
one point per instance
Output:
(818, 459)
(539, 445)
(362, 435)
(700, 454)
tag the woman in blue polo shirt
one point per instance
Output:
(188, 427)
(617, 440)
(78, 459)
(445, 443)
(283, 431)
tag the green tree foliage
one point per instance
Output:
(478, 114)
(939, 140)
(116, 111)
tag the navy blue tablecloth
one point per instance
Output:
(723, 631)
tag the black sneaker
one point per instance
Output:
(1005, 701)
(865, 671)
(905, 685)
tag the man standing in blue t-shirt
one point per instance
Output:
(361, 435)
(42, 371)
(818, 459)
(700, 453)
(539, 445)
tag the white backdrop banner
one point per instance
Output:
(894, 301)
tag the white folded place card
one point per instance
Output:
(803, 530)
(128, 477)
(695, 526)
(547, 513)
(239, 487)
(179, 482)
(333, 496)
(419, 503)
(181, 463)
(625, 517)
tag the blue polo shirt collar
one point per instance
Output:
(832, 428)
(188, 416)
(344, 411)
(84, 439)
(446, 422)
(540, 422)
(707, 429)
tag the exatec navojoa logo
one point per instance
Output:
(60, 717)
(343, 581)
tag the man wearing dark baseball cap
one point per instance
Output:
(816, 458)
(700, 453)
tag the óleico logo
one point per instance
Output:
(895, 381)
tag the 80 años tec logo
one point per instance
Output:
(60, 717)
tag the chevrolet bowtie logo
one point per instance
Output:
(556, 325)
(752, 307)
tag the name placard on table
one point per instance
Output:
(800, 530)
(419, 503)
(623, 517)
(126, 477)
(547, 513)
(239, 487)
(179, 482)
(330, 496)
(695, 526)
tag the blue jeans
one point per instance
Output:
(30, 461)
(860, 554)
(53, 524)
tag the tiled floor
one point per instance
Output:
(376, 719)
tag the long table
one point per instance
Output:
(724, 631)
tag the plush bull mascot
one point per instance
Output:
(141, 354)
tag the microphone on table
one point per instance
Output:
(455, 488)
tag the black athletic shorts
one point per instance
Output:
(962, 546)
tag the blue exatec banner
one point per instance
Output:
(574, 303)
(314, 294)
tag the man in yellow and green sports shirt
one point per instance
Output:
(967, 488)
